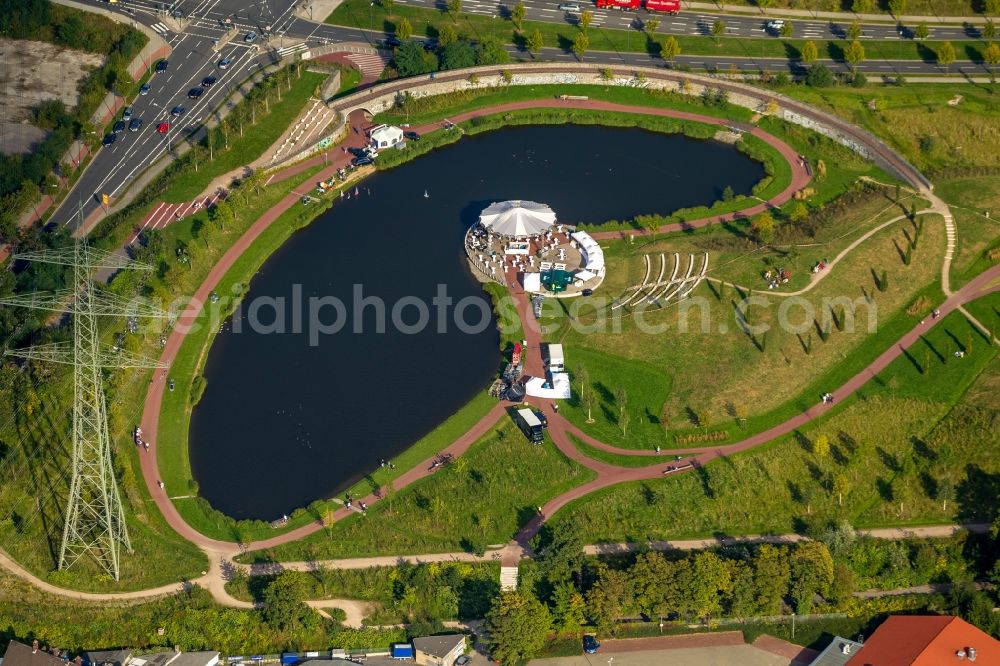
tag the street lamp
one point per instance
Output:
(371, 21)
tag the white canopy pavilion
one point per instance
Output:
(518, 219)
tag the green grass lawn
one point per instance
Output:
(972, 199)
(743, 383)
(245, 149)
(917, 120)
(892, 444)
(427, 22)
(483, 498)
(930, 8)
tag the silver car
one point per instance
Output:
(569, 7)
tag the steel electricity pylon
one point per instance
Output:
(95, 520)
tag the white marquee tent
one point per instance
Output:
(518, 218)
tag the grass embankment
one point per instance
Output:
(427, 23)
(191, 620)
(975, 205)
(481, 499)
(255, 140)
(909, 434)
(769, 375)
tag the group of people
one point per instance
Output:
(820, 265)
(774, 278)
(442, 460)
(349, 502)
(139, 441)
(828, 398)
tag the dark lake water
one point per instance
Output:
(284, 422)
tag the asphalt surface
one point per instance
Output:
(695, 23)
(114, 167)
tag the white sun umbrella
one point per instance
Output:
(518, 218)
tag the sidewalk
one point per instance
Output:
(775, 12)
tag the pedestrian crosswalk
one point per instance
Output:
(286, 51)
(160, 28)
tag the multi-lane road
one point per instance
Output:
(196, 56)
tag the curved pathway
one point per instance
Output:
(220, 553)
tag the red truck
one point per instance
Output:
(668, 6)
(619, 4)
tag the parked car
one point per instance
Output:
(163, 128)
(590, 644)
(225, 63)
(135, 125)
(127, 113)
(569, 7)
(119, 127)
(391, 42)
(177, 111)
(250, 37)
(412, 136)
(363, 160)
(208, 82)
(462, 661)
(144, 90)
(162, 66)
(195, 93)
(357, 152)
(109, 138)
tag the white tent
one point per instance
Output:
(560, 387)
(385, 136)
(517, 218)
(533, 283)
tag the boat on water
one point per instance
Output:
(426, 196)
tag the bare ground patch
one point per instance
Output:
(37, 71)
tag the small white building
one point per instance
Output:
(557, 363)
(385, 136)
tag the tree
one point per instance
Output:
(765, 4)
(843, 585)
(718, 30)
(587, 395)
(535, 41)
(841, 486)
(854, 31)
(607, 74)
(812, 573)
(771, 576)
(897, 7)
(651, 25)
(670, 49)
(991, 7)
(454, 8)
(821, 446)
(222, 213)
(989, 29)
(411, 59)
(517, 14)
(489, 51)
(946, 55)
(580, 44)
(861, 6)
(799, 212)
(284, 601)
(819, 76)
(854, 54)
(507, 77)
(609, 597)
(561, 559)
(517, 625)
(991, 56)
(710, 580)
(787, 29)
(387, 5)
(922, 31)
(809, 52)
(569, 610)
(763, 227)
(945, 492)
(404, 30)
(446, 35)
(650, 575)
(621, 402)
(586, 18)
(458, 55)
